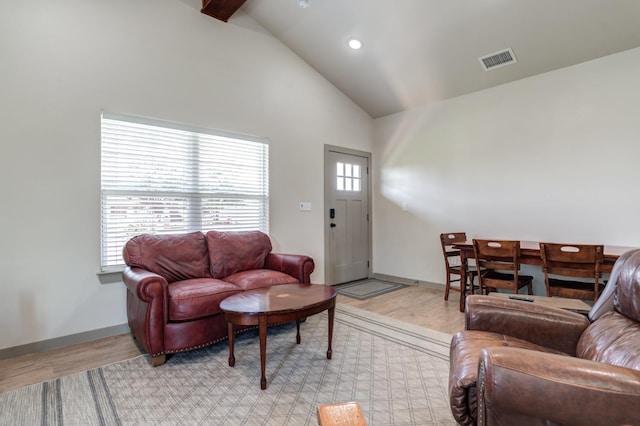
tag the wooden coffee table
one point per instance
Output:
(277, 304)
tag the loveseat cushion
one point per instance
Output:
(197, 298)
(258, 278)
(232, 252)
(175, 257)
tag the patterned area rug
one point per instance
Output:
(366, 289)
(396, 371)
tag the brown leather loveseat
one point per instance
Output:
(519, 363)
(175, 284)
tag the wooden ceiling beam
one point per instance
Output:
(221, 9)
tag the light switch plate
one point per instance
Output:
(305, 206)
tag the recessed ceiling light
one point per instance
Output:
(355, 44)
(304, 3)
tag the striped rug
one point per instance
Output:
(397, 372)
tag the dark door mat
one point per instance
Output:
(367, 289)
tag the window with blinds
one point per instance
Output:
(166, 178)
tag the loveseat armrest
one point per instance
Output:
(297, 265)
(553, 328)
(147, 295)
(145, 285)
(519, 386)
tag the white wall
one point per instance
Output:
(65, 61)
(553, 157)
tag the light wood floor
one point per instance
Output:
(418, 305)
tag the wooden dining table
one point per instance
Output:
(530, 255)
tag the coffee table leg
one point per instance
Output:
(332, 310)
(262, 327)
(298, 332)
(232, 334)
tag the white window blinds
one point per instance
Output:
(163, 178)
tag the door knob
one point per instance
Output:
(333, 225)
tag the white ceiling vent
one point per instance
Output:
(498, 59)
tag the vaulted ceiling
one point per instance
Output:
(417, 52)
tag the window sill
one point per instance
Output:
(111, 275)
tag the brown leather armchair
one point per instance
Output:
(519, 363)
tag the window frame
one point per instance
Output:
(199, 205)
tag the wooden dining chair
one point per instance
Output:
(453, 263)
(575, 261)
(500, 262)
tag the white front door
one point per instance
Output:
(347, 226)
